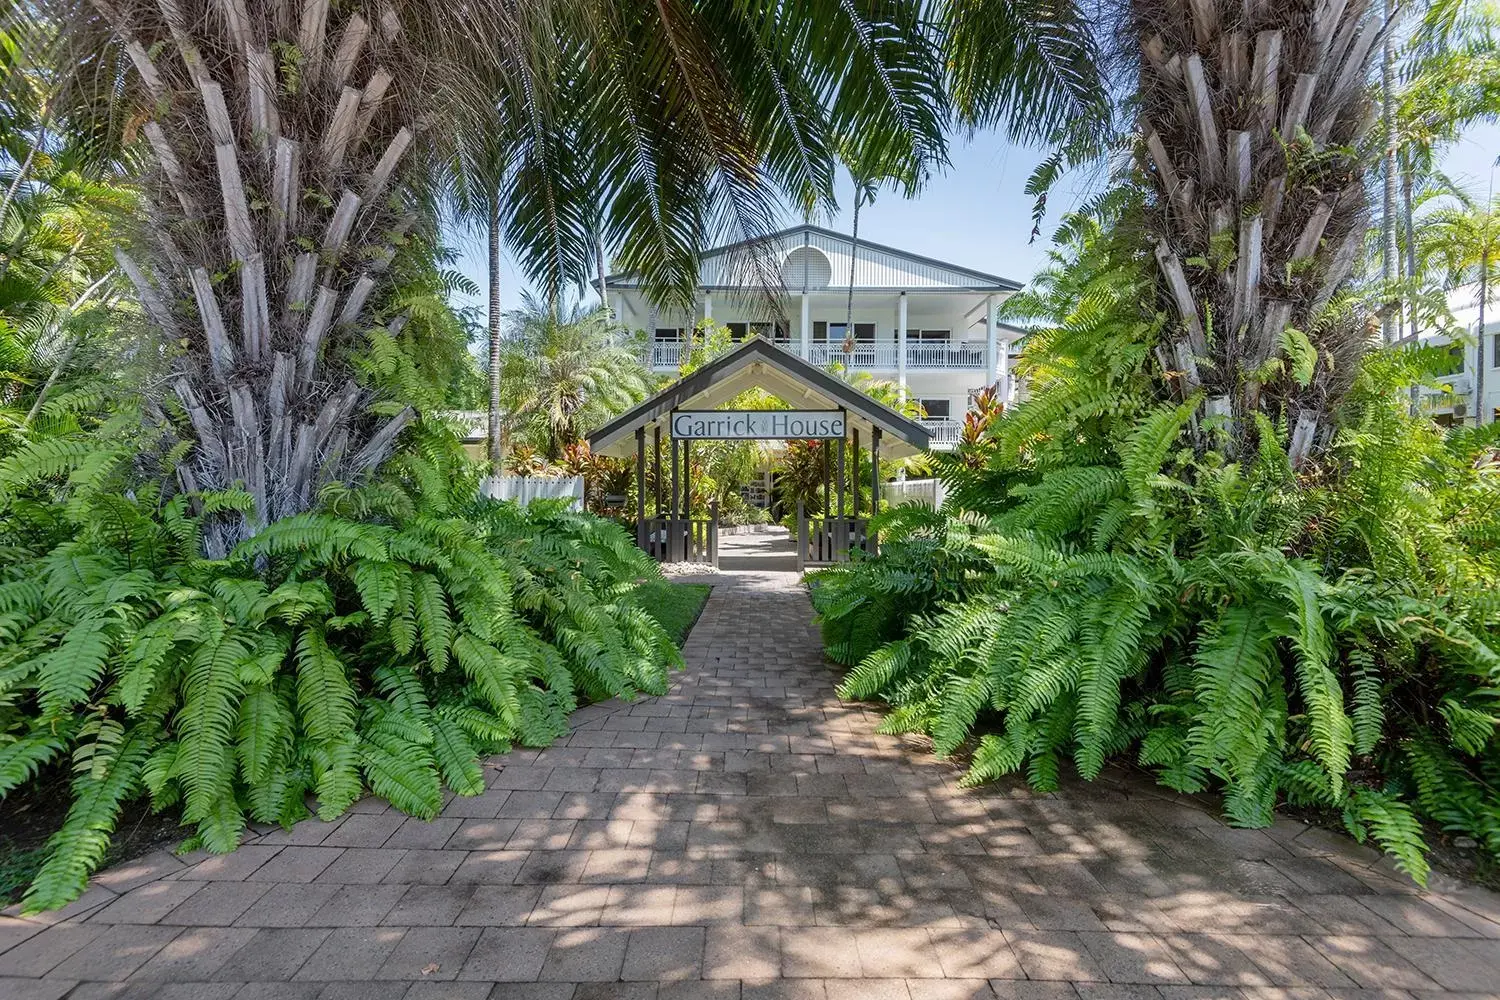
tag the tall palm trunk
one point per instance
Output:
(1247, 117)
(1390, 324)
(275, 205)
(496, 431)
(1480, 364)
(599, 265)
(853, 261)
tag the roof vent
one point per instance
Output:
(806, 267)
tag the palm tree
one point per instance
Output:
(1252, 125)
(565, 371)
(1462, 243)
(289, 157)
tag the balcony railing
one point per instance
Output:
(883, 356)
(945, 432)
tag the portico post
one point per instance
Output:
(640, 487)
(687, 499)
(854, 475)
(656, 448)
(841, 479)
(870, 543)
(901, 344)
(672, 538)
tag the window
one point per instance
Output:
(669, 334)
(820, 332)
(864, 333)
(783, 334)
(927, 336)
(937, 408)
(1495, 353)
(736, 331)
(761, 330)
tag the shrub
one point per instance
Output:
(1110, 580)
(384, 640)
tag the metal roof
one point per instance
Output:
(758, 363)
(876, 266)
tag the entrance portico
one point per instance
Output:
(824, 407)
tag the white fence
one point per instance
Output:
(524, 489)
(928, 492)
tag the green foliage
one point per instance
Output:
(384, 641)
(1106, 581)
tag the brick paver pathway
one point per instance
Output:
(750, 836)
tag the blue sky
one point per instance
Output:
(977, 213)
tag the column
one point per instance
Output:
(901, 344)
(708, 304)
(640, 487)
(991, 335)
(1007, 390)
(806, 327)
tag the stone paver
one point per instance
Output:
(751, 837)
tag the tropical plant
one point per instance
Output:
(1110, 580)
(565, 373)
(384, 639)
(1460, 241)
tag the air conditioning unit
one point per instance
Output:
(1460, 408)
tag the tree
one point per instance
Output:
(289, 160)
(565, 372)
(1462, 242)
(1252, 127)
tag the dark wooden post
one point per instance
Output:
(854, 475)
(673, 540)
(841, 479)
(686, 527)
(640, 487)
(656, 448)
(871, 544)
(823, 447)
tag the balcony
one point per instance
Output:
(881, 356)
(946, 432)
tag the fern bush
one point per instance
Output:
(1108, 581)
(384, 641)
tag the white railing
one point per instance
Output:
(1460, 389)
(927, 492)
(524, 489)
(945, 432)
(883, 356)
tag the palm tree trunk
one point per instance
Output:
(1390, 318)
(1479, 361)
(266, 375)
(496, 444)
(1259, 209)
(599, 263)
(853, 259)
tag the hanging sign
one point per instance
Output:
(752, 425)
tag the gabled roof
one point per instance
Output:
(878, 266)
(758, 363)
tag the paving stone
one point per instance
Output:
(428, 905)
(508, 954)
(428, 834)
(426, 867)
(144, 905)
(361, 865)
(499, 905)
(273, 954)
(975, 953)
(196, 953)
(742, 952)
(116, 953)
(586, 954)
(289, 905)
(566, 905)
(364, 830)
(232, 867)
(217, 904)
(34, 989)
(351, 953)
(295, 864)
(661, 953)
(357, 906)
(430, 953)
(487, 867)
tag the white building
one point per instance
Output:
(1459, 402)
(927, 325)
